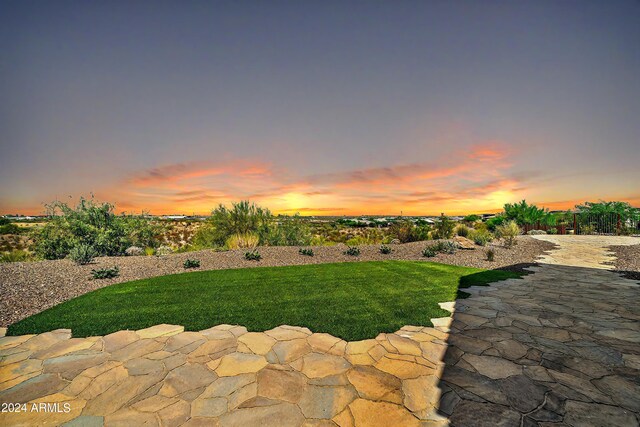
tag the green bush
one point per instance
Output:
(289, 231)
(242, 218)
(105, 273)
(444, 246)
(493, 223)
(10, 229)
(191, 263)
(428, 252)
(481, 237)
(82, 254)
(523, 213)
(470, 219)
(491, 254)
(4, 221)
(16, 255)
(306, 252)
(462, 231)
(93, 224)
(444, 228)
(253, 255)
(352, 251)
(384, 249)
(405, 231)
(509, 231)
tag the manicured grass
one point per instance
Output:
(353, 301)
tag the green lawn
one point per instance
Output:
(353, 301)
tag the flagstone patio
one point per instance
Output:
(560, 346)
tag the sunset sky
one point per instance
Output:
(319, 107)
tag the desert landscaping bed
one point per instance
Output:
(30, 287)
(628, 260)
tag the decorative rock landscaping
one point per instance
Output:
(559, 347)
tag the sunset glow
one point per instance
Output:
(419, 109)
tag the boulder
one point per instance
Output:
(464, 243)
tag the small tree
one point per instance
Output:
(444, 227)
(509, 231)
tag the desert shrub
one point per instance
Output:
(493, 223)
(491, 254)
(134, 251)
(481, 237)
(352, 251)
(242, 241)
(384, 249)
(444, 246)
(242, 218)
(306, 252)
(82, 254)
(191, 263)
(15, 255)
(94, 224)
(164, 250)
(289, 231)
(508, 232)
(462, 231)
(470, 219)
(10, 229)
(444, 228)
(428, 252)
(148, 251)
(253, 255)
(552, 230)
(405, 231)
(4, 221)
(523, 213)
(105, 273)
(321, 241)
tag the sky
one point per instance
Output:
(319, 107)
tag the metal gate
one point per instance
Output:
(603, 223)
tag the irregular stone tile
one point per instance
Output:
(18, 369)
(103, 381)
(127, 417)
(317, 365)
(281, 385)
(421, 393)
(66, 409)
(624, 392)
(85, 421)
(475, 383)
(594, 414)
(142, 366)
(325, 402)
(184, 339)
(511, 349)
(492, 367)
(290, 350)
(523, 394)
(322, 342)
(213, 349)
(71, 365)
(186, 377)
(34, 388)
(117, 340)
(155, 403)
(175, 414)
(240, 396)
(283, 414)
(257, 342)
(369, 413)
(344, 419)
(240, 363)
(580, 385)
(402, 369)
(469, 344)
(225, 386)
(63, 347)
(470, 413)
(373, 384)
(212, 407)
(14, 341)
(117, 396)
(404, 345)
(283, 333)
(161, 330)
(362, 347)
(138, 348)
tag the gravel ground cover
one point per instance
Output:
(30, 287)
(628, 260)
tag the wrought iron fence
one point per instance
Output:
(604, 223)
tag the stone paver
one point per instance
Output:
(560, 347)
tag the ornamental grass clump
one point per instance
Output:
(481, 237)
(253, 255)
(508, 232)
(105, 273)
(191, 263)
(491, 254)
(352, 251)
(305, 252)
(82, 254)
(243, 241)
